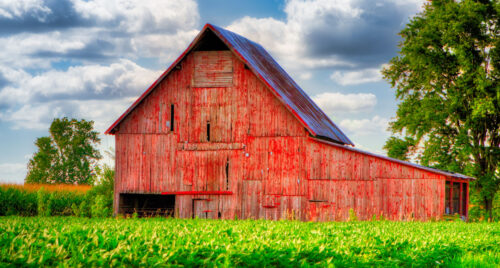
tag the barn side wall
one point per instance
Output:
(260, 153)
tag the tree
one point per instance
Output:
(399, 148)
(68, 155)
(447, 80)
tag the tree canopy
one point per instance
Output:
(447, 81)
(68, 155)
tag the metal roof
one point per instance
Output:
(271, 73)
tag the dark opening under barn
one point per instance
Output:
(147, 204)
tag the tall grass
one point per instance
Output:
(48, 187)
(59, 199)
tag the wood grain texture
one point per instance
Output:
(258, 151)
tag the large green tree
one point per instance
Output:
(447, 80)
(68, 155)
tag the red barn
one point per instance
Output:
(225, 132)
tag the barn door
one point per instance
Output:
(199, 209)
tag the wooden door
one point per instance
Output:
(199, 209)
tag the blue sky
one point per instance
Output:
(91, 59)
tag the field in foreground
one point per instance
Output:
(71, 241)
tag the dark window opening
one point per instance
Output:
(147, 205)
(227, 174)
(210, 42)
(171, 117)
(219, 215)
(455, 198)
(208, 131)
(464, 199)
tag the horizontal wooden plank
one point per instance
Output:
(198, 193)
(213, 69)
(209, 146)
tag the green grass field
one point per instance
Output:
(71, 241)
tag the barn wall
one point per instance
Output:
(258, 151)
(369, 185)
(150, 158)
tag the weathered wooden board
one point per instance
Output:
(199, 132)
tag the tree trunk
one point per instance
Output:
(488, 205)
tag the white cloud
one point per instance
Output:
(95, 92)
(12, 172)
(141, 16)
(333, 102)
(357, 77)
(330, 33)
(15, 8)
(99, 30)
(283, 41)
(364, 127)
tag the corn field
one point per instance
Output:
(73, 241)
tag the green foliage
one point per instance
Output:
(44, 203)
(96, 202)
(68, 155)
(101, 207)
(16, 202)
(99, 199)
(158, 242)
(447, 80)
(399, 148)
(352, 215)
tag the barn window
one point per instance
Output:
(171, 117)
(213, 69)
(227, 174)
(208, 131)
(455, 198)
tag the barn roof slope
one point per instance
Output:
(270, 72)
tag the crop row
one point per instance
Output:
(72, 241)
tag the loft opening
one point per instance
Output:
(210, 42)
(147, 205)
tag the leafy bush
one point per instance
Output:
(14, 201)
(101, 207)
(44, 203)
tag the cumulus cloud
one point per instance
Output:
(333, 102)
(364, 127)
(326, 33)
(94, 31)
(93, 92)
(362, 76)
(11, 9)
(12, 172)
(98, 42)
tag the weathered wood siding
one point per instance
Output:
(258, 150)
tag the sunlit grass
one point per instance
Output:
(70, 241)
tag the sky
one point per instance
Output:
(90, 59)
